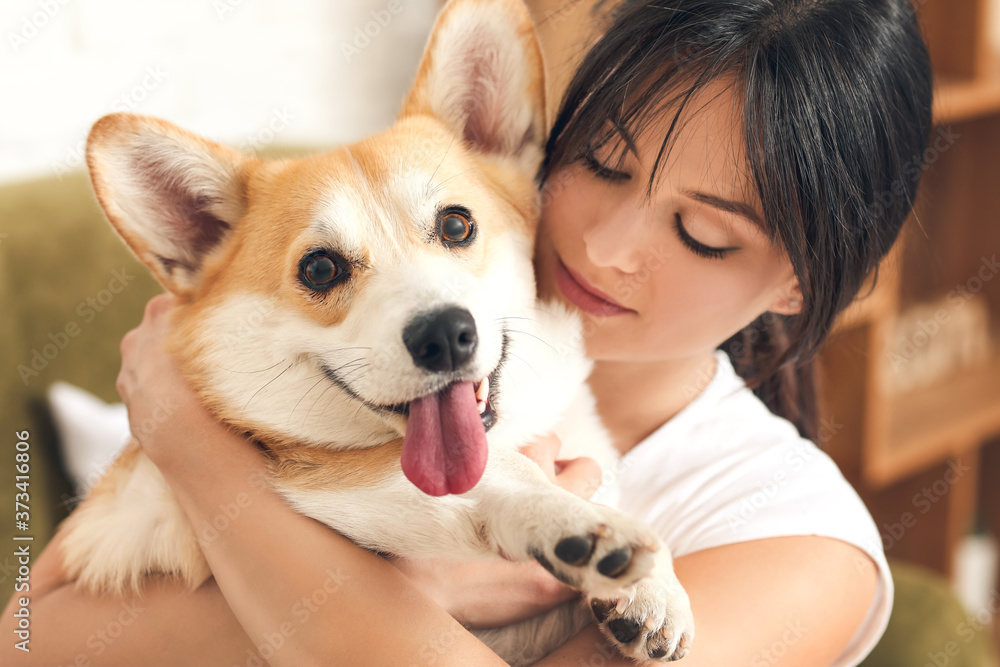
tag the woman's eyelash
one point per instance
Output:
(602, 171)
(699, 249)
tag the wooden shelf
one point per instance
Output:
(894, 448)
(956, 101)
(929, 425)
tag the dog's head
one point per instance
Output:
(350, 298)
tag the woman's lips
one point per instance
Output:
(583, 296)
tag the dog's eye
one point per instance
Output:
(319, 271)
(456, 227)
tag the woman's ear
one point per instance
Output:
(788, 298)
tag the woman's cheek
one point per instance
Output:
(703, 303)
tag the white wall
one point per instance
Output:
(243, 72)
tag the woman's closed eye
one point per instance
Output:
(695, 246)
(603, 171)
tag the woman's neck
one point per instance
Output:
(634, 399)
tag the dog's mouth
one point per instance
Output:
(485, 397)
(444, 448)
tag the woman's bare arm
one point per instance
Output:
(295, 585)
(783, 601)
(167, 626)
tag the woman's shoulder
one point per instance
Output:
(727, 470)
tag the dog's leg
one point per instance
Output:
(593, 548)
(652, 619)
(655, 621)
(525, 643)
(128, 527)
(514, 512)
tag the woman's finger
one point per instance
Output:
(544, 451)
(158, 306)
(581, 476)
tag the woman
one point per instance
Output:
(717, 178)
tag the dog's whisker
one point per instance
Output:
(430, 180)
(262, 388)
(542, 340)
(530, 367)
(251, 372)
(349, 363)
(321, 394)
(453, 176)
(322, 375)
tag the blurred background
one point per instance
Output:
(243, 72)
(910, 379)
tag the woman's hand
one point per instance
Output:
(164, 413)
(492, 594)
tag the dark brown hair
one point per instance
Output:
(836, 102)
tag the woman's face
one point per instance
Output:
(674, 275)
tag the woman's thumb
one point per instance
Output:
(581, 476)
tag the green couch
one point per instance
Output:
(65, 312)
(71, 290)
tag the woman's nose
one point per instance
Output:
(619, 237)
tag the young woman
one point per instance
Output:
(721, 178)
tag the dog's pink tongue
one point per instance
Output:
(444, 450)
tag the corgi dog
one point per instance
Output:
(398, 355)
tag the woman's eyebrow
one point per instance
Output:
(727, 205)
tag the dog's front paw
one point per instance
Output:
(598, 550)
(654, 623)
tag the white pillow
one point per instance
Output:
(91, 432)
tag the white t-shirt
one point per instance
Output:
(725, 469)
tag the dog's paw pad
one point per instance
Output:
(615, 563)
(654, 624)
(576, 550)
(624, 630)
(595, 549)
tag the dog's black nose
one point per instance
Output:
(441, 340)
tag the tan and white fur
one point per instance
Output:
(308, 373)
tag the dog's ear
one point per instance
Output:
(174, 197)
(482, 74)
